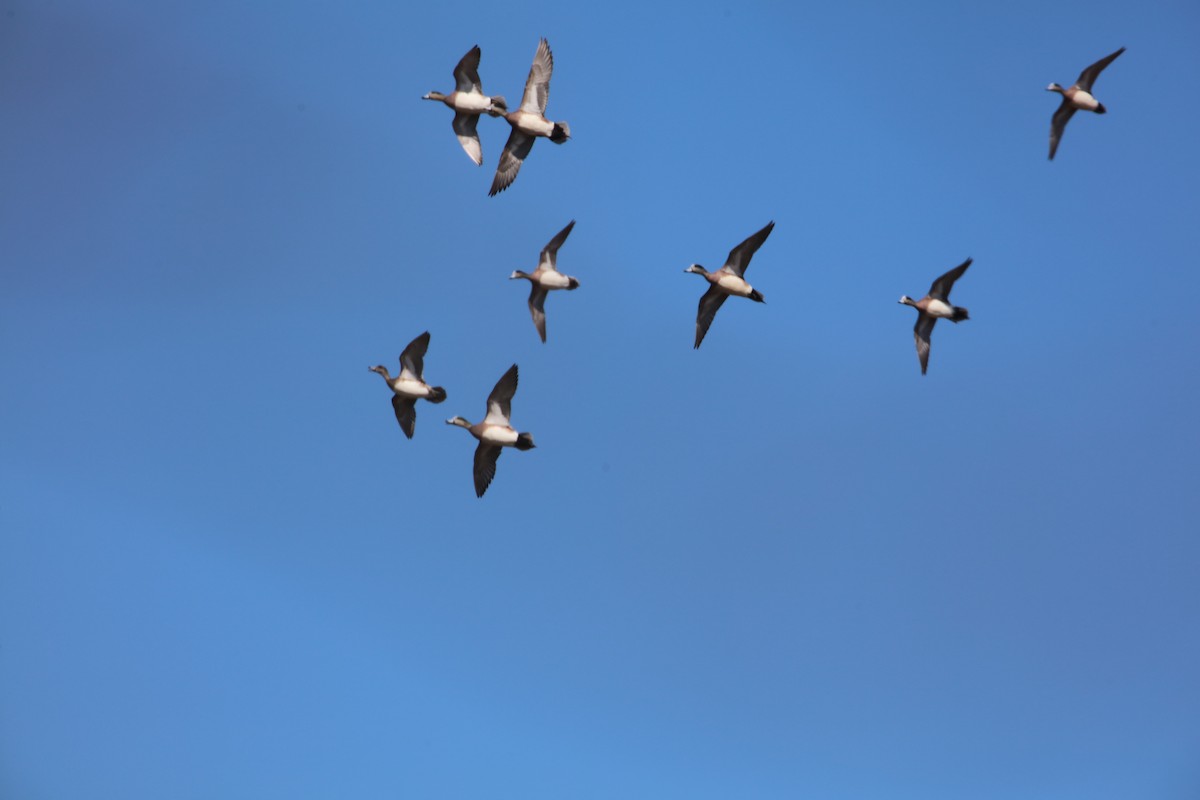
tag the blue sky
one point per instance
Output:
(784, 565)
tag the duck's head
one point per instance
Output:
(433, 96)
(519, 274)
(906, 300)
(379, 368)
(696, 268)
(459, 421)
(1054, 87)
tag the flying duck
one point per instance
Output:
(495, 431)
(529, 121)
(1076, 98)
(409, 385)
(546, 278)
(728, 280)
(935, 306)
(468, 102)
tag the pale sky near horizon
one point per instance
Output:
(784, 565)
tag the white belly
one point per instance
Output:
(410, 388)
(1082, 99)
(534, 124)
(471, 101)
(734, 285)
(939, 308)
(495, 434)
(554, 280)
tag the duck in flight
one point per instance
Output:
(529, 121)
(410, 385)
(468, 102)
(495, 432)
(546, 278)
(935, 306)
(1077, 98)
(728, 281)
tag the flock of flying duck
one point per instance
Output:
(528, 122)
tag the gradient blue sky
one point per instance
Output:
(783, 566)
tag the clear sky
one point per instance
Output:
(785, 565)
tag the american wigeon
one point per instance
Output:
(546, 278)
(468, 102)
(529, 121)
(935, 306)
(410, 385)
(495, 432)
(728, 280)
(1078, 97)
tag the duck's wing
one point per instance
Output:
(511, 159)
(412, 360)
(942, 286)
(710, 303)
(1089, 75)
(464, 128)
(537, 85)
(406, 413)
(499, 404)
(537, 301)
(466, 72)
(921, 332)
(1058, 124)
(549, 256)
(486, 456)
(739, 257)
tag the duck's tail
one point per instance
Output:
(436, 394)
(572, 283)
(1100, 109)
(561, 132)
(960, 314)
(499, 106)
(756, 296)
(525, 441)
